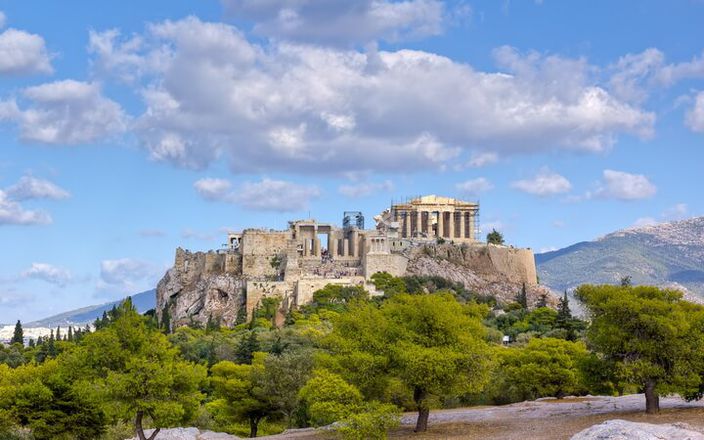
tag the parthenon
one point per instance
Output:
(435, 217)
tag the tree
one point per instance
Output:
(544, 367)
(244, 353)
(18, 335)
(495, 237)
(626, 281)
(542, 301)
(522, 297)
(564, 318)
(137, 373)
(329, 398)
(70, 333)
(431, 343)
(240, 396)
(58, 333)
(650, 335)
(165, 323)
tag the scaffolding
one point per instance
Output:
(353, 219)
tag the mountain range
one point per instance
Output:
(143, 301)
(665, 254)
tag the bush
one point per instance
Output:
(371, 423)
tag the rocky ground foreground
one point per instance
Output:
(580, 418)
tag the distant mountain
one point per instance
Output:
(666, 254)
(86, 315)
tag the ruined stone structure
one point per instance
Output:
(292, 264)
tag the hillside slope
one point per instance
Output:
(143, 301)
(666, 254)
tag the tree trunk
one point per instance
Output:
(652, 400)
(253, 427)
(140, 430)
(419, 396)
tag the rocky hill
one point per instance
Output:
(666, 254)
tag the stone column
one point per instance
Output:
(429, 224)
(306, 247)
(407, 223)
(462, 228)
(332, 246)
(354, 243)
(316, 247)
(419, 222)
(472, 225)
(451, 225)
(345, 247)
(441, 224)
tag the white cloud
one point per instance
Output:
(49, 273)
(625, 186)
(3, 19)
(29, 187)
(12, 213)
(644, 221)
(22, 52)
(545, 183)
(276, 106)
(265, 195)
(365, 189)
(474, 187)
(342, 22)
(676, 212)
(65, 112)
(695, 116)
(478, 160)
(127, 275)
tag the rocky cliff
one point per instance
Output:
(199, 286)
(499, 271)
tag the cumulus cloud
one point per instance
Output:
(265, 195)
(365, 189)
(342, 23)
(65, 112)
(279, 106)
(22, 53)
(127, 275)
(474, 187)
(49, 273)
(29, 187)
(12, 213)
(625, 186)
(478, 160)
(545, 183)
(695, 116)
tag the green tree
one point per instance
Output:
(388, 283)
(18, 335)
(244, 353)
(432, 344)
(544, 367)
(650, 335)
(522, 297)
(137, 373)
(165, 323)
(329, 398)
(565, 319)
(240, 395)
(495, 237)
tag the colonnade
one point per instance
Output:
(457, 224)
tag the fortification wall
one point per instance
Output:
(258, 290)
(395, 264)
(305, 287)
(258, 250)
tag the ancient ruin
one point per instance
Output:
(424, 235)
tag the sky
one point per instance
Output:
(130, 128)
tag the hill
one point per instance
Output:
(666, 254)
(143, 301)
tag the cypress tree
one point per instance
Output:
(166, 320)
(70, 333)
(18, 335)
(244, 353)
(31, 342)
(58, 333)
(522, 298)
(564, 319)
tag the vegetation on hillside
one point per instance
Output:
(348, 359)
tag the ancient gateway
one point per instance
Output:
(293, 263)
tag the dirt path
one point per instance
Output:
(548, 419)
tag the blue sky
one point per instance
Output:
(130, 128)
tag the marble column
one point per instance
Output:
(429, 224)
(345, 247)
(354, 243)
(407, 223)
(306, 247)
(451, 225)
(332, 246)
(441, 224)
(316, 247)
(419, 223)
(462, 228)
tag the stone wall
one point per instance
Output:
(395, 264)
(258, 250)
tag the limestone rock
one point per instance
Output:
(486, 269)
(625, 430)
(188, 434)
(199, 286)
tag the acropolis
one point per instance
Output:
(293, 263)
